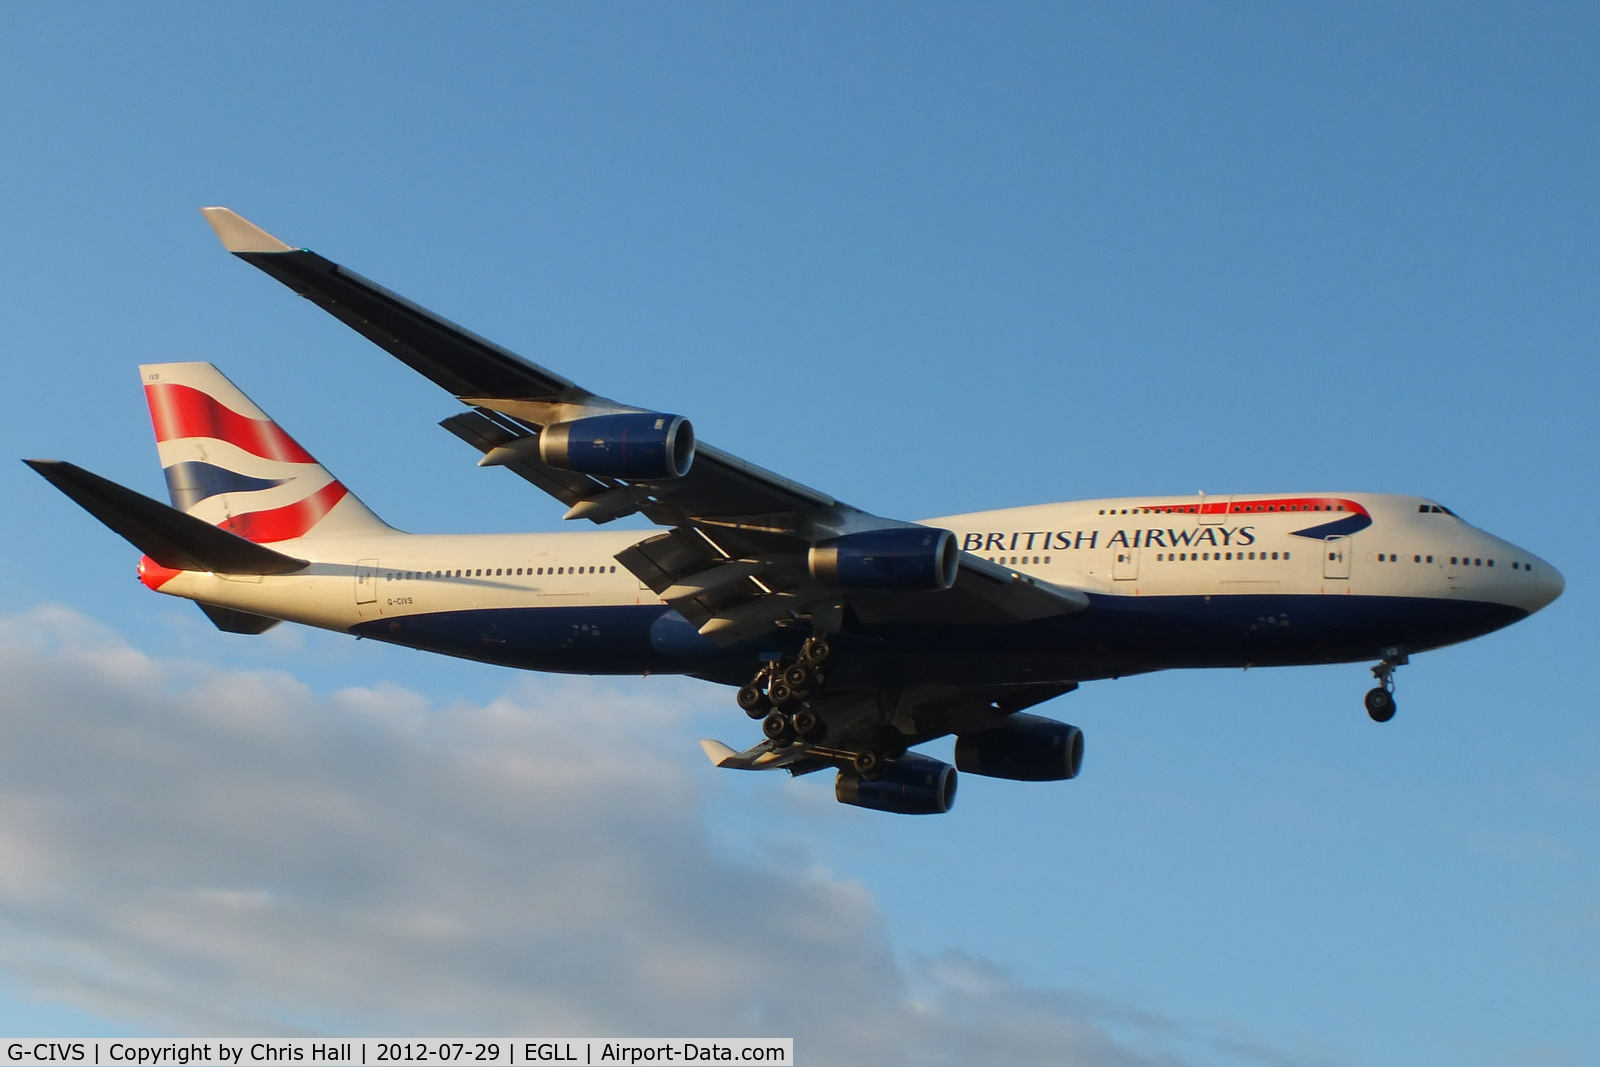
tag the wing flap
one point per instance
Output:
(486, 432)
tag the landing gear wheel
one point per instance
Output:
(778, 728)
(867, 763)
(1380, 704)
(797, 677)
(1380, 700)
(753, 701)
(781, 695)
(809, 725)
(817, 650)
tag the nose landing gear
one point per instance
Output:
(1380, 698)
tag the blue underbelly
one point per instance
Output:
(1114, 636)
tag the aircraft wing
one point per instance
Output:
(734, 559)
(857, 720)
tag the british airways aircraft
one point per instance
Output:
(851, 637)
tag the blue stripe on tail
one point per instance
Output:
(190, 482)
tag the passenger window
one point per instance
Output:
(1430, 559)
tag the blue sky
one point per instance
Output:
(931, 258)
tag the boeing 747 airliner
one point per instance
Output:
(851, 637)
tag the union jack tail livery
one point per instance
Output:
(228, 463)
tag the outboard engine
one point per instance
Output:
(1025, 748)
(638, 445)
(904, 557)
(910, 785)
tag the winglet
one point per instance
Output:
(239, 234)
(717, 752)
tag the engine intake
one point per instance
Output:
(910, 785)
(639, 445)
(1027, 748)
(906, 557)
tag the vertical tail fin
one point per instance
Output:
(226, 462)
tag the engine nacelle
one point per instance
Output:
(910, 785)
(640, 445)
(906, 557)
(1027, 748)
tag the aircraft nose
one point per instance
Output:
(1548, 584)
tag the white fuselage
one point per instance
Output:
(1130, 547)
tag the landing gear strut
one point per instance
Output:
(1380, 698)
(780, 690)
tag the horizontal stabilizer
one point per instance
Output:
(234, 621)
(165, 534)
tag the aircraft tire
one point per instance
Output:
(1380, 704)
(810, 726)
(753, 701)
(777, 727)
(867, 763)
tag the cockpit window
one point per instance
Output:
(1436, 509)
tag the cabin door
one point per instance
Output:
(1213, 511)
(1336, 557)
(366, 581)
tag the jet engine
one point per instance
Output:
(641, 445)
(905, 557)
(910, 785)
(1027, 748)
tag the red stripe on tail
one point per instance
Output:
(180, 411)
(288, 522)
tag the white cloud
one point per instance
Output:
(201, 850)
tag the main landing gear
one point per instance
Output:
(1380, 698)
(778, 693)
